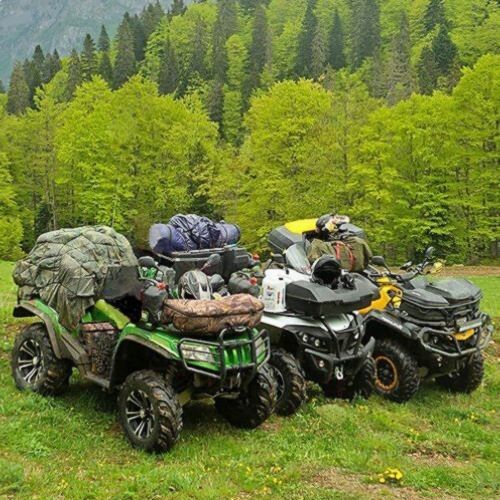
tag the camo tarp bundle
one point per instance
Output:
(207, 317)
(67, 268)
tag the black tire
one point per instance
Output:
(468, 378)
(149, 411)
(34, 363)
(396, 371)
(255, 405)
(291, 382)
(361, 385)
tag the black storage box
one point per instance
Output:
(444, 300)
(281, 238)
(233, 259)
(313, 299)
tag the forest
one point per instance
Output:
(260, 112)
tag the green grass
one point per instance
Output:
(72, 447)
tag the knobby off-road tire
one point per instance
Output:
(291, 382)
(149, 411)
(361, 385)
(254, 406)
(396, 371)
(34, 363)
(468, 378)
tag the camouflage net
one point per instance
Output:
(67, 269)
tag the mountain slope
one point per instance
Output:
(55, 24)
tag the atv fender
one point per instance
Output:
(27, 310)
(136, 353)
(380, 320)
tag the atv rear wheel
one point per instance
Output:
(467, 379)
(149, 411)
(34, 363)
(396, 371)
(361, 386)
(255, 405)
(291, 382)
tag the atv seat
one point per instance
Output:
(204, 318)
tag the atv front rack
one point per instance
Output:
(432, 339)
(229, 355)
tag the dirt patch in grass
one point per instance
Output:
(458, 270)
(351, 484)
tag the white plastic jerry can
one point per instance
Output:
(273, 292)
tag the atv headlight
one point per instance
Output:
(197, 352)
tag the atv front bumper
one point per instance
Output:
(453, 344)
(322, 367)
(226, 356)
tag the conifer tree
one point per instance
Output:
(444, 51)
(427, 71)
(139, 36)
(233, 90)
(18, 96)
(105, 68)
(399, 77)
(319, 53)
(2, 87)
(258, 48)
(336, 56)
(305, 49)
(33, 78)
(434, 15)
(197, 65)
(225, 26)
(125, 62)
(88, 59)
(365, 34)
(177, 8)
(75, 77)
(168, 78)
(38, 59)
(104, 43)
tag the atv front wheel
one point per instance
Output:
(361, 385)
(291, 382)
(255, 405)
(396, 371)
(149, 411)
(467, 379)
(34, 363)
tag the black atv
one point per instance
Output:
(434, 330)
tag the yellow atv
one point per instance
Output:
(430, 329)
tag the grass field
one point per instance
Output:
(447, 446)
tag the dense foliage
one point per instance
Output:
(265, 111)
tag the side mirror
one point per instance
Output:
(429, 253)
(378, 260)
(147, 261)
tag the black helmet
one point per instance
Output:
(325, 225)
(326, 271)
(194, 285)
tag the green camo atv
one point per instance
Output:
(155, 368)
